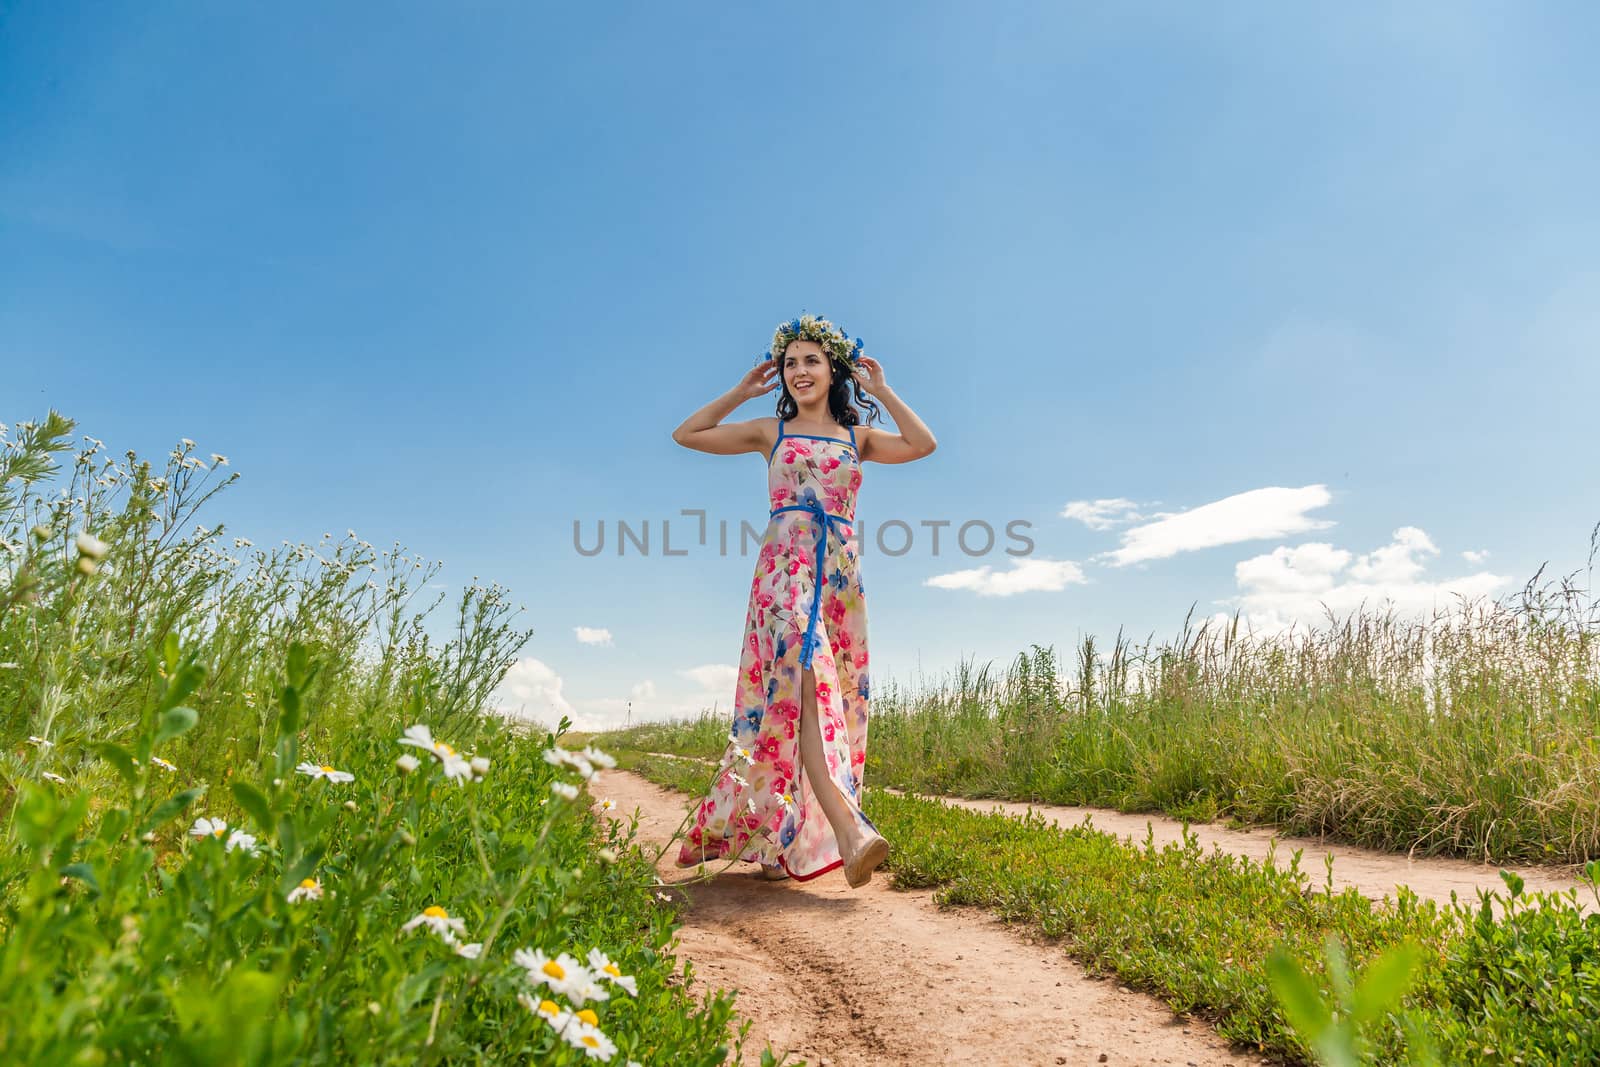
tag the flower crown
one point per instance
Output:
(834, 341)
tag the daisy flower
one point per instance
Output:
(548, 1010)
(240, 839)
(598, 758)
(563, 974)
(33, 740)
(52, 776)
(564, 790)
(608, 970)
(163, 764)
(204, 827)
(323, 771)
(594, 1043)
(439, 921)
(407, 763)
(607, 804)
(472, 951)
(559, 757)
(308, 889)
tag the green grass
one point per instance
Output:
(1471, 733)
(163, 671)
(1513, 979)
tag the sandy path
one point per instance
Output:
(1373, 873)
(873, 976)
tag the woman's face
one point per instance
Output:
(806, 371)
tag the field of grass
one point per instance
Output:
(251, 813)
(1473, 733)
(1510, 979)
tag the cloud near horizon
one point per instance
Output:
(531, 691)
(1254, 515)
(1025, 576)
(1300, 585)
(593, 635)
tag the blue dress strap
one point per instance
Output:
(852, 429)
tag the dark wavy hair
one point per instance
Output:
(840, 404)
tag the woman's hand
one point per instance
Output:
(869, 372)
(758, 380)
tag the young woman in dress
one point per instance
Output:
(788, 790)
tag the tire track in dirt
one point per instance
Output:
(875, 976)
(1372, 872)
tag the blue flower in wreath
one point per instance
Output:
(794, 325)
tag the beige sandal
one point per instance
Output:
(858, 868)
(773, 874)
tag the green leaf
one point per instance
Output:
(181, 684)
(171, 808)
(1513, 882)
(83, 873)
(175, 722)
(289, 721)
(1384, 983)
(253, 801)
(298, 666)
(1302, 1005)
(169, 651)
(119, 758)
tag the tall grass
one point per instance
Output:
(1474, 731)
(182, 881)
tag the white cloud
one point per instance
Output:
(591, 635)
(1025, 576)
(713, 677)
(1302, 584)
(1475, 557)
(1102, 514)
(531, 690)
(1248, 516)
(645, 690)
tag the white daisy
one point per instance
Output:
(480, 767)
(323, 771)
(563, 974)
(204, 827)
(32, 740)
(558, 757)
(407, 763)
(163, 764)
(548, 1010)
(564, 790)
(420, 736)
(594, 1043)
(607, 804)
(472, 951)
(439, 921)
(240, 839)
(52, 776)
(605, 968)
(598, 758)
(308, 889)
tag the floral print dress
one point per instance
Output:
(807, 609)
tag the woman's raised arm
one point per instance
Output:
(703, 431)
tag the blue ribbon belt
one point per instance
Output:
(825, 520)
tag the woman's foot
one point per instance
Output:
(870, 851)
(773, 874)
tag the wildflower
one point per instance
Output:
(240, 839)
(564, 790)
(420, 736)
(39, 741)
(742, 753)
(560, 757)
(605, 968)
(607, 855)
(308, 889)
(407, 763)
(219, 460)
(480, 767)
(563, 974)
(548, 1010)
(186, 442)
(91, 546)
(594, 1043)
(325, 772)
(52, 776)
(598, 758)
(472, 951)
(204, 827)
(439, 921)
(607, 804)
(163, 764)
(350, 805)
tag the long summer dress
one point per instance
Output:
(762, 806)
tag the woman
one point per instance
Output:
(788, 790)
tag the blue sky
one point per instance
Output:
(1314, 294)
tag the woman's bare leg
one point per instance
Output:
(815, 762)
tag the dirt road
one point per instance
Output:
(875, 977)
